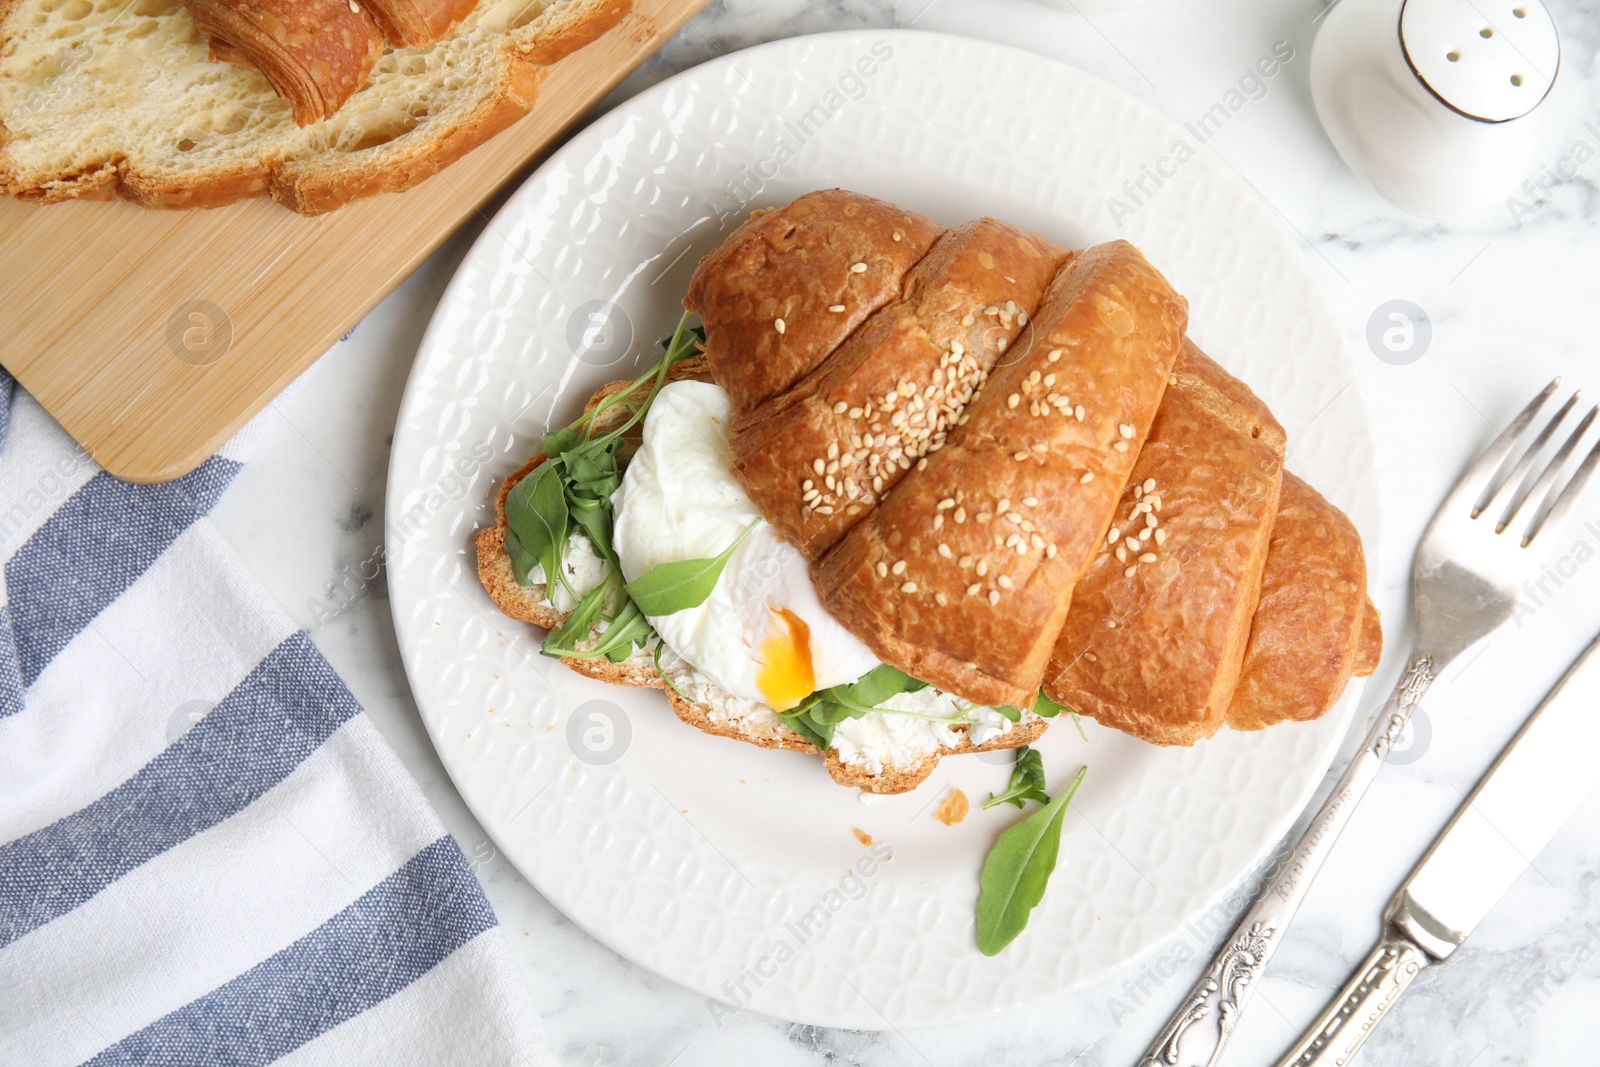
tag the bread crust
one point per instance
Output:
(1115, 325)
(318, 184)
(314, 53)
(917, 361)
(528, 604)
(1314, 624)
(1157, 631)
(793, 264)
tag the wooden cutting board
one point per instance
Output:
(153, 335)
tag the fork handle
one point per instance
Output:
(1199, 1030)
(1347, 1021)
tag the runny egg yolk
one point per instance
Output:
(786, 676)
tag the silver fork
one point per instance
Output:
(1465, 583)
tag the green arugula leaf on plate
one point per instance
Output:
(1017, 870)
(1027, 781)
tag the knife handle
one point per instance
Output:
(1350, 1018)
(1198, 1032)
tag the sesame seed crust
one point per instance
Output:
(1181, 585)
(793, 264)
(887, 400)
(1015, 465)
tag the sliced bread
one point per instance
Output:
(112, 98)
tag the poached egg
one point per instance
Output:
(763, 634)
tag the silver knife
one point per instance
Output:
(1543, 776)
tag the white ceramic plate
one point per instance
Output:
(724, 866)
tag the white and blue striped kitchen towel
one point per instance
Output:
(208, 855)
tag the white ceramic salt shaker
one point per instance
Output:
(1434, 102)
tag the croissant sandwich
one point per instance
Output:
(913, 491)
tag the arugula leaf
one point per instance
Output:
(1078, 723)
(800, 721)
(1046, 708)
(687, 583)
(536, 512)
(1016, 871)
(1027, 781)
(1043, 707)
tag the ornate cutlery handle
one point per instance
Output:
(1198, 1032)
(1349, 1020)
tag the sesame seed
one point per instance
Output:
(840, 408)
(991, 310)
(810, 495)
(909, 587)
(1013, 541)
(833, 450)
(1022, 318)
(966, 320)
(826, 509)
(1055, 354)
(922, 465)
(961, 516)
(898, 568)
(1113, 536)
(1001, 344)
(1035, 541)
(1013, 400)
(1131, 544)
(1151, 520)
(1005, 581)
(896, 235)
(964, 561)
(1031, 501)
(1003, 507)
(983, 567)
(944, 550)
(994, 598)
(1144, 534)
(938, 520)
(777, 324)
(1049, 380)
(883, 569)
(1161, 537)
(836, 308)
(858, 268)
(1078, 412)
(1126, 430)
(855, 413)
(1147, 557)
(1121, 446)
(1149, 484)
(808, 484)
(1129, 572)
(956, 348)
(832, 468)
(1088, 476)
(941, 599)
(1041, 447)
(972, 590)
(1050, 550)
(829, 482)
(1019, 456)
(1122, 554)
(1027, 526)
(1172, 379)
(946, 504)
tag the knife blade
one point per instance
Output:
(1535, 785)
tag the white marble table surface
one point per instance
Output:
(1510, 307)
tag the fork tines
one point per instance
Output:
(1514, 472)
